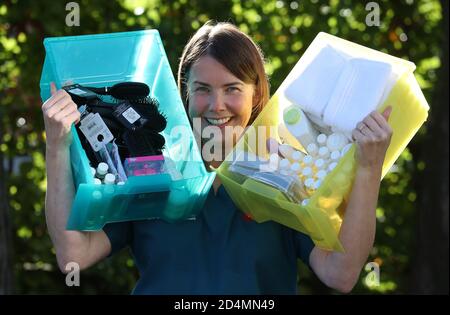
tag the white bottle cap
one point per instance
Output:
(305, 202)
(324, 152)
(309, 182)
(336, 141)
(322, 139)
(317, 184)
(286, 150)
(274, 160)
(321, 174)
(346, 148)
(93, 171)
(295, 167)
(335, 155)
(312, 148)
(298, 125)
(121, 183)
(319, 163)
(284, 164)
(97, 181)
(102, 168)
(297, 156)
(109, 179)
(292, 115)
(307, 171)
(332, 166)
(308, 160)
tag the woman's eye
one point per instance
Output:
(232, 89)
(202, 89)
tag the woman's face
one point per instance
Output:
(217, 98)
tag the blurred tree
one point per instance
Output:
(430, 268)
(6, 275)
(409, 29)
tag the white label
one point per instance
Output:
(92, 127)
(131, 115)
(77, 91)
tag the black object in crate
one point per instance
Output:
(133, 118)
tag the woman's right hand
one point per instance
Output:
(60, 112)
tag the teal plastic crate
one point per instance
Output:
(105, 59)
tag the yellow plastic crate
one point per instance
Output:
(322, 217)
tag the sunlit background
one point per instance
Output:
(411, 245)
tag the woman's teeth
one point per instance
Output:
(218, 121)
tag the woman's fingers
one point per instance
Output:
(66, 111)
(55, 98)
(357, 135)
(73, 117)
(387, 112)
(373, 126)
(382, 121)
(52, 88)
(57, 107)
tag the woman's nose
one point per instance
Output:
(217, 103)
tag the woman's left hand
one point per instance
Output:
(372, 137)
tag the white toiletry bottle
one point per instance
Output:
(109, 179)
(336, 141)
(324, 152)
(295, 168)
(322, 139)
(102, 169)
(286, 150)
(299, 125)
(319, 164)
(312, 149)
(308, 160)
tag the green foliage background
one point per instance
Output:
(409, 29)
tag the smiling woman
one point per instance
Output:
(222, 82)
(217, 96)
(223, 85)
(220, 251)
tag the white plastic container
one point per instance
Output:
(297, 156)
(102, 169)
(299, 125)
(110, 179)
(336, 141)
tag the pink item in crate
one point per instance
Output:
(144, 165)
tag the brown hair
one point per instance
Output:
(235, 50)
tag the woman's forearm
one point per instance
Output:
(341, 270)
(357, 232)
(84, 248)
(58, 203)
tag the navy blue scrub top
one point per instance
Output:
(220, 252)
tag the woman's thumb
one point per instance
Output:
(52, 88)
(387, 112)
